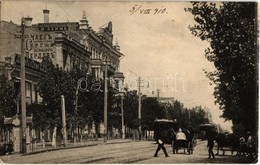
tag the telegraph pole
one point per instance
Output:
(63, 112)
(122, 111)
(158, 93)
(105, 104)
(23, 103)
(139, 107)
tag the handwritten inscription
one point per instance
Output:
(139, 9)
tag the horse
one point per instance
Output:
(228, 141)
(190, 137)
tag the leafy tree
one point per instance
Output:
(52, 85)
(151, 110)
(8, 97)
(114, 110)
(175, 111)
(186, 117)
(40, 116)
(131, 109)
(79, 80)
(197, 117)
(231, 30)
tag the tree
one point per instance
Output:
(8, 100)
(79, 79)
(52, 85)
(186, 117)
(231, 30)
(8, 97)
(151, 110)
(40, 116)
(175, 111)
(131, 109)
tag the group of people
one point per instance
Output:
(243, 145)
(247, 145)
(180, 136)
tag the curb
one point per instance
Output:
(80, 146)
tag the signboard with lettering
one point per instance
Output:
(63, 26)
(32, 64)
(39, 44)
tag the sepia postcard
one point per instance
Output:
(128, 82)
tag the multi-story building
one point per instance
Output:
(100, 44)
(66, 43)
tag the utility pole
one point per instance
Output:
(122, 111)
(105, 104)
(63, 120)
(139, 105)
(158, 93)
(23, 103)
(139, 108)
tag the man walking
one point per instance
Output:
(160, 142)
(211, 137)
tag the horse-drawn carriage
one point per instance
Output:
(167, 129)
(186, 142)
(230, 142)
(164, 128)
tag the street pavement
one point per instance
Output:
(86, 143)
(121, 151)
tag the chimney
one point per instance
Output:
(28, 21)
(46, 15)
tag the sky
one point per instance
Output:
(154, 38)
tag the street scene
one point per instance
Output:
(85, 82)
(124, 152)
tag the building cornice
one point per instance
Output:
(63, 38)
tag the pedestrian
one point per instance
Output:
(242, 146)
(160, 142)
(210, 146)
(180, 135)
(181, 140)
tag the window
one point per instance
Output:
(28, 89)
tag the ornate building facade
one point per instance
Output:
(65, 43)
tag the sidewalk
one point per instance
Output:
(99, 141)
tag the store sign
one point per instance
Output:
(30, 63)
(38, 45)
(58, 26)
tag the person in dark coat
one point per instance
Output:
(160, 142)
(211, 138)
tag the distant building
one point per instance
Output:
(167, 100)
